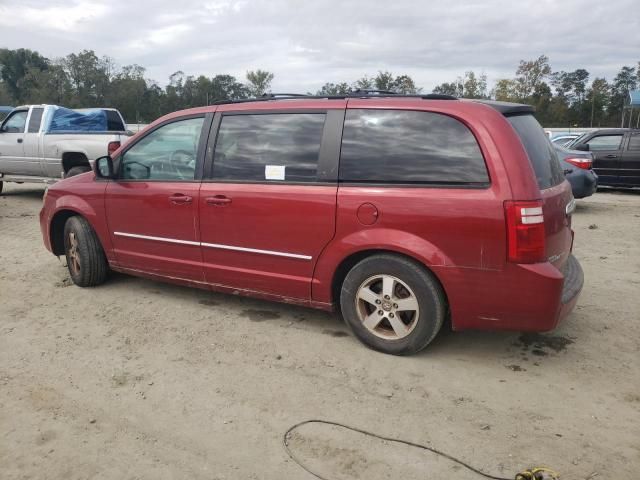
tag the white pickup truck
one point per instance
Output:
(43, 143)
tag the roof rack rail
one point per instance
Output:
(370, 91)
(271, 95)
(359, 93)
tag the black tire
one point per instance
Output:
(423, 289)
(91, 266)
(1, 185)
(77, 171)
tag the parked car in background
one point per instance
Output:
(577, 166)
(564, 139)
(616, 154)
(399, 210)
(43, 143)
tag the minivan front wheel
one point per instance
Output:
(392, 304)
(86, 260)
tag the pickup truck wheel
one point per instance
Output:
(392, 304)
(77, 171)
(86, 261)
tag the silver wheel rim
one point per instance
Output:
(387, 307)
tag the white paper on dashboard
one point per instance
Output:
(274, 172)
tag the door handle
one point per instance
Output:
(217, 200)
(180, 199)
(19, 140)
(611, 155)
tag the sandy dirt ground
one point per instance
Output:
(143, 380)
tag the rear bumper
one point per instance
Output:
(535, 297)
(583, 183)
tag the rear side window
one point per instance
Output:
(404, 146)
(541, 153)
(634, 142)
(268, 147)
(114, 121)
(35, 119)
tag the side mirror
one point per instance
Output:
(103, 167)
(584, 147)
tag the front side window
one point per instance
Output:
(605, 142)
(168, 153)
(403, 146)
(279, 147)
(16, 122)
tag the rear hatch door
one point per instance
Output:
(558, 202)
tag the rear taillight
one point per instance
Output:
(584, 163)
(112, 147)
(525, 232)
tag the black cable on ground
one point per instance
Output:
(528, 474)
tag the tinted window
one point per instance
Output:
(402, 146)
(16, 122)
(541, 153)
(268, 147)
(634, 142)
(35, 119)
(605, 142)
(114, 122)
(168, 153)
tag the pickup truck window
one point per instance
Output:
(16, 122)
(114, 121)
(605, 142)
(35, 119)
(168, 153)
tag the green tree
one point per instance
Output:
(624, 81)
(597, 98)
(449, 88)
(14, 65)
(334, 89)
(90, 77)
(46, 86)
(529, 75)
(259, 82)
(505, 90)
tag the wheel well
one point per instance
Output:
(73, 159)
(349, 262)
(56, 230)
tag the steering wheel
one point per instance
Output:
(183, 162)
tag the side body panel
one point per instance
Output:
(150, 232)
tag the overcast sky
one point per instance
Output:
(308, 43)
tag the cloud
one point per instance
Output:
(309, 43)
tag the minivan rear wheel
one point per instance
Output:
(86, 260)
(392, 304)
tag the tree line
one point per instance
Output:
(84, 79)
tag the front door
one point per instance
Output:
(11, 143)
(152, 207)
(269, 208)
(630, 163)
(606, 150)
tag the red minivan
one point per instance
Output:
(401, 211)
